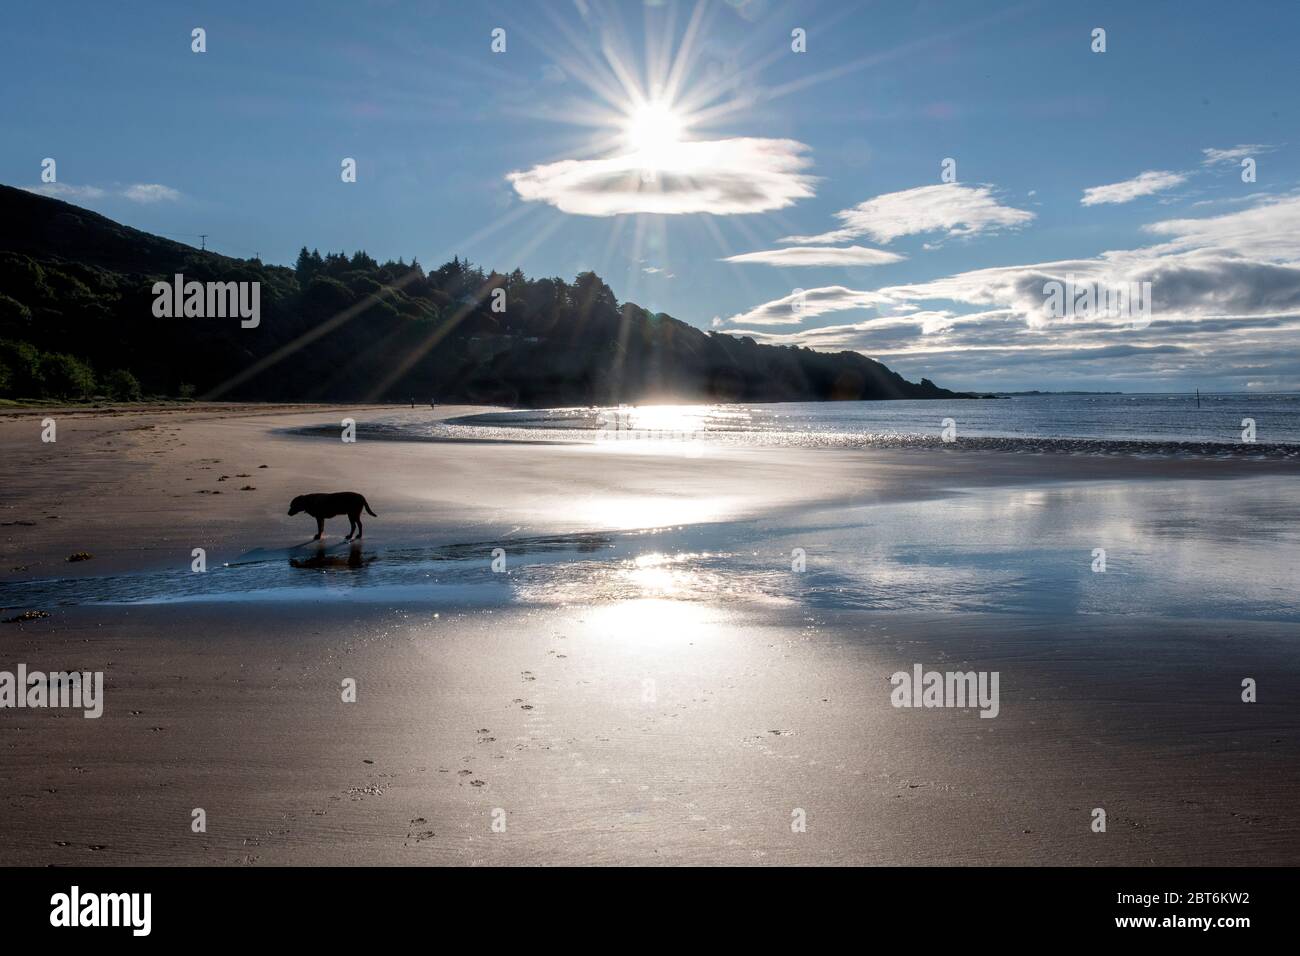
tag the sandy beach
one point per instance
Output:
(602, 709)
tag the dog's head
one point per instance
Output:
(296, 505)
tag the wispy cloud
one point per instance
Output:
(66, 191)
(1143, 184)
(1225, 301)
(801, 304)
(721, 177)
(150, 192)
(1269, 230)
(952, 209)
(135, 192)
(819, 256)
(1234, 154)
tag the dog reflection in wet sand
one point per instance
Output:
(321, 506)
(327, 562)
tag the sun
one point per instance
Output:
(653, 128)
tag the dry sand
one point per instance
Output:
(644, 731)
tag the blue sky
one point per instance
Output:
(244, 142)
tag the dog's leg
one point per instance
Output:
(360, 528)
(320, 528)
(352, 529)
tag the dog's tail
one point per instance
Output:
(366, 504)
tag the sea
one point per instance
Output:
(1210, 424)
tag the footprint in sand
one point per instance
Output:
(422, 835)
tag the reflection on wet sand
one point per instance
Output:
(1177, 549)
(323, 560)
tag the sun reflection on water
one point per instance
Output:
(661, 574)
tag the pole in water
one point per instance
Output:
(1198, 398)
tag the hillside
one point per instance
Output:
(77, 320)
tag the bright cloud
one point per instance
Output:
(1225, 303)
(1144, 184)
(1235, 154)
(136, 192)
(66, 191)
(801, 304)
(1270, 229)
(953, 209)
(150, 192)
(721, 177)
(820, 256)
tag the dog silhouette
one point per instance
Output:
(322, 506)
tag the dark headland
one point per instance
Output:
(77, 320)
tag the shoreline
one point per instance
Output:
(1007, 444)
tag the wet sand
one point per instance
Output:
(644, 730)
(548, 717)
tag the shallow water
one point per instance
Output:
(1114, 418)
(1156, 426)
(1173, 548)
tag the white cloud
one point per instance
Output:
(1270, 229)
(1226, 309)
(721, 177)
(1144, 184)
(150, 192)
(820, 256)
(1244, 263)
(136, 192)
(1234, 154)
(953, 209)
(65, 191)
(806, 303)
